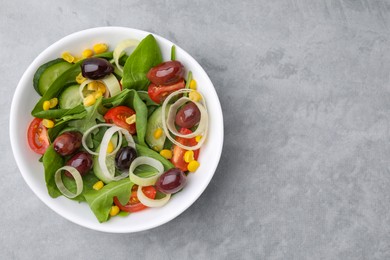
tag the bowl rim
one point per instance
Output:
(24, 170)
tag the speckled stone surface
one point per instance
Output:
(305, 90)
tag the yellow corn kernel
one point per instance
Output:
(167, 154)
(101, 87)
(53, 102)
(98, 185)
(114, 211)
(93, 85)
(188, 156)
(89, 100)
(100, 48)
(46, 105)
(80, 79)
(48, 123)
(87, 53)
(195, 96)
(193, 84)
(67, 56)
(110, 147)
(197, 138)
(131, 119)
(193, 166)
(77, 59)
(97, 94)
(158, 133)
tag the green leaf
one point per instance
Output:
(101, 201)
(130, 98)
(145, 151)
(144, 57)
(52, 161)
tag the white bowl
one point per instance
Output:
(25, 99)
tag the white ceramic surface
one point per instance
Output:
(25, 98)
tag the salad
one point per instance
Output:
(117, 129)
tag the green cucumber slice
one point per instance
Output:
(48, 73)
(154, 122)
(70, 97)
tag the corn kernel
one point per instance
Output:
(188, 156)
(193, 84)
(101, 87)
(98, 185)
(197, 138)
(167, 154)
(48, 123)
(46, 105)
(110, 147)
(131, 119)
(100, 48)
(158, 133)
(97, 94)
(77, 59)
(193, 166)
(92, 86)
(195, 96)
(87, 53)
(114, 211)
(53, 102)
(80, 79)
(89, 100)
(67, 57)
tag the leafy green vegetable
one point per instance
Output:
(144, 57)
(52, 161)
(145, 151)
(101, 201)
(173, 52)
(88, 181)
(130, 98)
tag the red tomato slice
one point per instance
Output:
(160, 92)
(134, 204)
(37, 136)
(118, 115)
(178, 152)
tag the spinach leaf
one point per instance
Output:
(130, 98)
(53, 91)
(100, 201)
(145, 151)
(52, 161)
(144, 57)
(88, 181)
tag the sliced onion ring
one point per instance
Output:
(121, 48)
(111, 83)
(77, 177)
(88, 132)
(203, 125)
(103, 152)
(151, 202)
(143, 160)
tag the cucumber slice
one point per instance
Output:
(110, 162)
(70, 97)
(47, 73)
(155, 122)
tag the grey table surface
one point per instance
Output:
(305, 92)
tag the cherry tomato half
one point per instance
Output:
(37, 136)
(178, 152)
(134, 204)
(160, 92)
(118, 116)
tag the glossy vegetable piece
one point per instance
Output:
(96, 68)
(188, 116)
(134, 204)
(124, 157)
(158, 93)
(178, 152)
(67, 143)
(171, 181)
(37, 136)
(166, 73)
(118, 115)
(82, 161)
